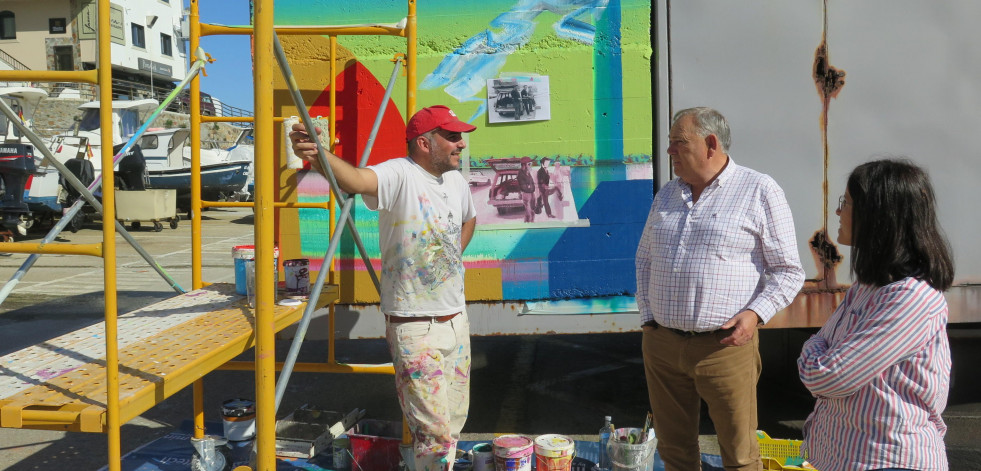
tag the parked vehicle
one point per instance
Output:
(504, 192)
(182, 103)
(505, 103)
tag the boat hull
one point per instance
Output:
(218, 181)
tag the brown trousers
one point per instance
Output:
(679, 371)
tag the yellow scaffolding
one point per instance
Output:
(92, 396)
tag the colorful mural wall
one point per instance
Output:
(566, 82)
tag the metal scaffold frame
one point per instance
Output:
(84, 411)
(266, 46)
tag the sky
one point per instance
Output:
(230, 77)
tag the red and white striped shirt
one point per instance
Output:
(880, 370)
(701, 263)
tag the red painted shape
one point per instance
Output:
(359, 96)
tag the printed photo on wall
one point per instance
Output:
(517, 191)
(518, 98)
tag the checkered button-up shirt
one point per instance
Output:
(701, 263)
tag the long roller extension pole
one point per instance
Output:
(345, 217)
(321, 155)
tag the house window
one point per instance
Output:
(165, 45)
(57, 25)
(139, 40)
(7, 28)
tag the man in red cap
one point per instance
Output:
(426, 218)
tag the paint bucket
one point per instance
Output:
(241, 253)
(554, 453)
(483, 457)
(238, 418)
(341, 453)
(513, 453)
(625, 456)
(297, 277)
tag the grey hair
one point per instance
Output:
(429, 135)
(707, 121)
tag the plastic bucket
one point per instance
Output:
(513, 453)
(554, 453)
(241, 253)
(375, 445)
(625, 456)
(238, 419)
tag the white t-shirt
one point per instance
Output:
(419, 225)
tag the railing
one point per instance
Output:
(9, 59)
(126, 90)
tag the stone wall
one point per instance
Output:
(57, 115)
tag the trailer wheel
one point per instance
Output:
(173, 223)
(135, 225)
(157, 227)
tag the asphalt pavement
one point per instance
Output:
(528, 384)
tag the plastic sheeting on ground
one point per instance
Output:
(173, 452)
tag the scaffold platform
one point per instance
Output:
(61, 384)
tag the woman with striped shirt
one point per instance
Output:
(880, 367)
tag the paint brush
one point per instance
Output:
(647, 426)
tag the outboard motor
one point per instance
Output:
(84, 171)
(132, 169)
(16, 166)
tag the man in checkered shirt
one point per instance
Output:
(718, 257)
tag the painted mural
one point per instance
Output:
(594, 149)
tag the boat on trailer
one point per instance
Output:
(224, 172)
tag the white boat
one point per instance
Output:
(24, 101)
(44, 192)
(224, 172)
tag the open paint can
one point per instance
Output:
(241, 253)
(483, 457)
(297, 277)
(238, 418)
(341, 453)
(512, 453)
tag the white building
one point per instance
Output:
(61, 35)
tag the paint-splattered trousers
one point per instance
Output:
(432, 375)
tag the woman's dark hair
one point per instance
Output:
(895, 233)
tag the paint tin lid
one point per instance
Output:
(238, 407)
(554, 446)
(247, 252)
(512, 446)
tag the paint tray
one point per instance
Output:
(308, 430)
(375, 445)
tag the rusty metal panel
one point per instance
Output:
(812, 89)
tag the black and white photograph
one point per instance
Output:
(519, 98)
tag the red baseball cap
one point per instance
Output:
(437, 116)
